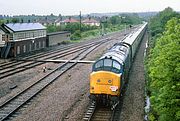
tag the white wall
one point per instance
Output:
(1, 42)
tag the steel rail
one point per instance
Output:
(16, 62)
(33, 64)
(9, 107)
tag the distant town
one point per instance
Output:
(56, 19)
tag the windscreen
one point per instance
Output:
(107, 65)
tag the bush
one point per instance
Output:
(164, 73)
(76, 35)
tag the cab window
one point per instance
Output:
(108, 62)
(116, 65)
(107, 65)
(99, 64)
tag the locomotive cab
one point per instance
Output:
(105, 81)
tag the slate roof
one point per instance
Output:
(16, 27)
(45, 21)
(58, 20)
(71, 20)
(4, 29)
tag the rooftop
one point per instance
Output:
(70, 20)
(15, 27)
(90, 20)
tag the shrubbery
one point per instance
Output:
(76, 35)
(163, 67)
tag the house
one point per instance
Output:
(90, 21)
(58, 21)
(19, 38)
(46, 22)
(69, 20)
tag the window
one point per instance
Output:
(24, 48)
(21, 35)
(3, 37)
(108, 62)
(99, 64)
(43, 44)
(30, 47)
(27, 35)
(18, 49)
(31, 34)
(39, 44)
(11, 36)
(15, 36)
(107, 65)
(116, 65)
(35, 46)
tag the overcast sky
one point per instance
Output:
(72, 7)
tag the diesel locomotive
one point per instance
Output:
(110, 72)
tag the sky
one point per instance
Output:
(73, 7)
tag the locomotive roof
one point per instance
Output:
(120, 51)
(117, 52)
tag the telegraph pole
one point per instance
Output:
(80, 21)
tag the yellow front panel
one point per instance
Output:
(104, 82)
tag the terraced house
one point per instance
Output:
(20, 38)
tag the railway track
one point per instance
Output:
(44, 54)
(29, 65)
(36, 56)
(8, 108)
(14, 67)
(53, 51)
(97, 112)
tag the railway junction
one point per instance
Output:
(54, 85)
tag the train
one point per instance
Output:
(110, 72)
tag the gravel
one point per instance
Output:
(67, 97)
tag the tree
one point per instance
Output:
(115, 20)
(76, 35)
(15, 20)
(157, 23)
(2, 21)
(164, 73)
(72, 27)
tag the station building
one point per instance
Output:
(20, 38)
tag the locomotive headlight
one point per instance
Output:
(98, 80)
(92, 88)
(109, 81)
(114, 88)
